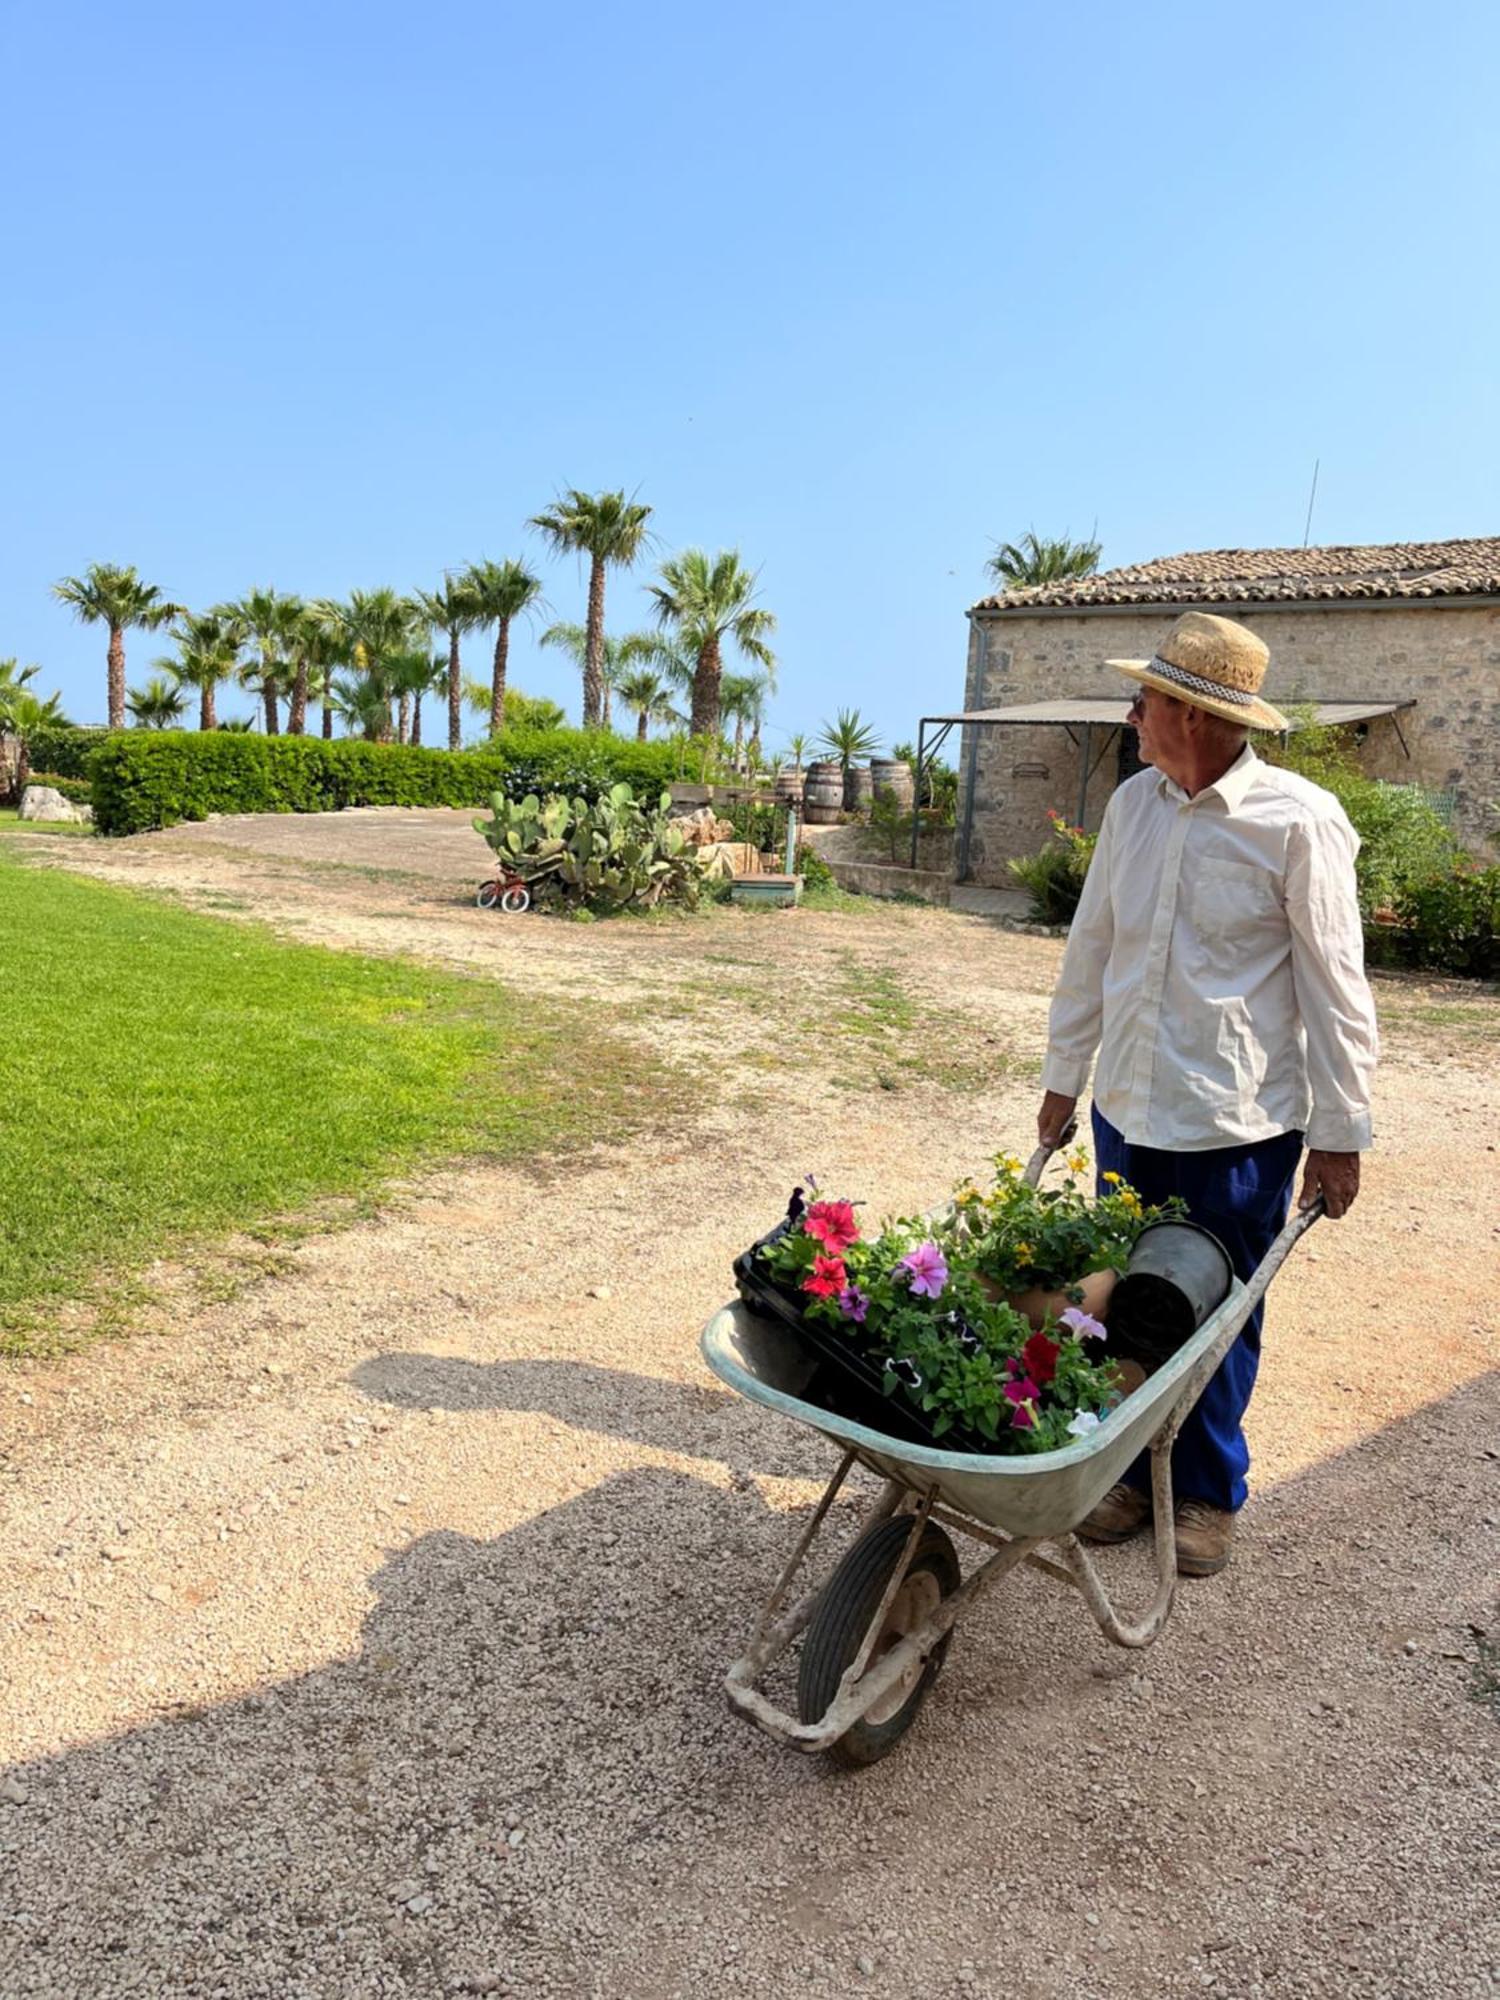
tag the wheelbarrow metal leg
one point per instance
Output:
(1148, 1627)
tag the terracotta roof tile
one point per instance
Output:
(1258, 576)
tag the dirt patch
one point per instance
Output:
(362, 1631)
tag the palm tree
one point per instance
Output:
(362, 704)
(452, 610)
(704, 602)
(271, 624)
(108, 594)
(321, 645)
(849, 739)
(742, 699)
(617, 657)
(375, 626)
(158, 705)
(1036, 559)
(407, 677)
(208, 653)
(647, 693)
(608, 529)
(799, 745)
(499, 592)
(21, 714)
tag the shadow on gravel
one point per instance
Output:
(565, 1674)
(349, 1831)
(645, 1409)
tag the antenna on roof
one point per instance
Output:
(1310, 499)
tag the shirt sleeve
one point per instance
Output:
(1328, 971)
(1077, 1014)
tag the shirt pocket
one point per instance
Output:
(1234, 908)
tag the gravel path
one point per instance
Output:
(362, 1635)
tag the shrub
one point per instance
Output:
(1054, 876)
(814, 870)
(150, 779)
(1450, 923)
(62, 749)
(76, 789)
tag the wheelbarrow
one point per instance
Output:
(875, 1635)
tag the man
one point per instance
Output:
(1216, 963)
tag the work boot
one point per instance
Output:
(1205, 1538)
(1123, 1512)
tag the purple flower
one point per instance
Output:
(927, 1270)
(853, 1304)
(1082, 1323)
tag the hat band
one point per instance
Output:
(1196, 682)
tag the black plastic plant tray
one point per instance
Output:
(847, 1384)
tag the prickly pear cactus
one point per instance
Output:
(619, 853)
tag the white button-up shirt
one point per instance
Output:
(1216, 963)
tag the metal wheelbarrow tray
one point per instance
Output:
(877, 1631)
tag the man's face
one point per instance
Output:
(1161, 723)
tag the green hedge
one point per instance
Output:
(144, 779)
(76, 789)
(63, 749)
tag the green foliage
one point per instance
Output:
(849, 737)
(762, 824)
(1054, 876)
(614, 853)
(144, 780)
(1038, 559)
(814, 870)
(58, 747)
(1403, 838)
(1450, 923)
(78, 790)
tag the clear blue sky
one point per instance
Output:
(338, 295)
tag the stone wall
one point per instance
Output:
(1448, 661)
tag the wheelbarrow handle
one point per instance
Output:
(1038, 1161)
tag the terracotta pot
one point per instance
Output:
(1036, 1304)
(1129, 1375)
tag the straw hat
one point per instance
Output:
(1214, 664)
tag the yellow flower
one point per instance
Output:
(1008, 1163)
(1131, 1200)
(1025, 1252)
(1077, 1160)
(1113, 1179)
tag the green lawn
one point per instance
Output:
(165, 1075)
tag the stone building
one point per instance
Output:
(1400, 642)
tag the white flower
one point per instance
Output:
(1083, 1423)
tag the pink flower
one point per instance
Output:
(1022, 1392)
(927, 1269)
(1023, 1417)
(1082, 1323)
(828, 1279)
(832, 1224)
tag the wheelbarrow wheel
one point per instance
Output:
(838, 1627)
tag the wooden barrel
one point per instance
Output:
(859, 788)
(789, 787)
(823, 794)
(891, 777)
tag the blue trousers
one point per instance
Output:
(1241, 1193)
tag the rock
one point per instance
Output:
(115, 1552)
(600, 1292)
(405, 1890)
(418, 1906)
(14, 1792)
(45, 802)
(865, 1965)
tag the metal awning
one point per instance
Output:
(1086, 713)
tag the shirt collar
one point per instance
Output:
(1231, 788)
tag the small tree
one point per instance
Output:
(158, 705)
(1037, 560)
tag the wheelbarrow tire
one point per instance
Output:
(838, 1627)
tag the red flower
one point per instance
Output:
(1040, 1356)
(832, 1224)
(828, 1279)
